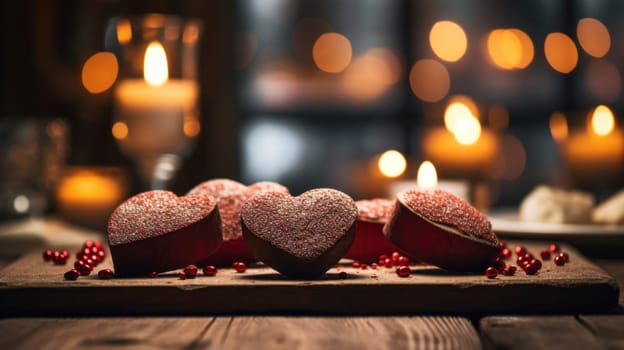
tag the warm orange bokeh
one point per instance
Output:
(509, 48)
(448, 40)
(429, 80)
(558, 126)
(593, 36)
(99, 72)
(332, 52)
(561, 53)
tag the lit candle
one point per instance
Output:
(88, 195)
(599, 148)
(155, 114)
(427, 180)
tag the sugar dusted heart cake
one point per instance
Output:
(157, 231)
(301, 237)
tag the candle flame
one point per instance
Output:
(155, 69)
(392, 163)
(602, 121)
(427, 177)
(461, 121)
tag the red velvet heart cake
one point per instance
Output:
(370, 241)
(443, 230)
(231, 195)
(157, 231)
(302, 236)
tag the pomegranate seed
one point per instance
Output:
(373, 266)
(502, 244)
(97, 244)
(94, 250)
(537, 263)
(65, 253)
(403, 271)
(182, 275)
(531, 270)
(403, 261)
(342, 275)
(78, 263)
(102, 255)
(190, 271)
(565, 256)
(520, 250)
(491, 272)
(545, 254)
(509, 270)
(89, 262)
(210, 271)
(88, 244)
(59, 259)
(95, 258)
(87, 251)
(153, 274)
(554, 247)
(71, 275)
(506, 253)
(85, 270)
(356, 264)
(240, 267)
(520, 259)
(383, 257)
(364, 267)
(47, 255)
(395, 257)
(105, 274)
(388, 263)
(560, 260)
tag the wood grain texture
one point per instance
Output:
(536, 332)
(245, 332)
(32, 287)
(609, 329)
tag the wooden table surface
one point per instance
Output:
(513, 331)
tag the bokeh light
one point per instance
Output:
(99, 72)
(155, 67)
(120, 130)
(468, 130)
(558, 126)
(427, 177)
(509, 48)
(561, 53)
(603, 80)
(124, 31)
(448, 40)
(602, 121)
(371, 74)
(593, 36)
(332, 52)
(392, 163)
(191, 127)
(498, 117)
(429, 80)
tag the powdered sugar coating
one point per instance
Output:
(375, 210)
(231, 195)
(442, 207)
(305, 226)
(154, 213)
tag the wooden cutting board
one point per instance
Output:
(31, 286)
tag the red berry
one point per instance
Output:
(88, 244)
(97, 244)
(383, 257)
(403, 261)
(153, 274)
(565, 256)
(554, 247)
(403, 271)
(65, 253)
(520, 250)
(502, 244)
(545, 254)
(356, 264)
(71, 275)
(210, 270)
(182, 275)
(190, 271)
(388, 263)
(509, 270)
(342, 275)
(537, 263)
(531, 270)
(560, 260)
(59, 258)
(240, 267)
(101, 254)
(373, 266)
(47, 255)
(105, 274)
(491, 272)
(395, 257)
(78, 263)
(87, 251)
(95, 258)
(85, 270)
(364, 267)
(506, 253)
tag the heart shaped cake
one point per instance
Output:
(231, 195)
(301, 237)
(370, 241)
(157, 231)
(443, 230)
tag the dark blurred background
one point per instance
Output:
(311, 93)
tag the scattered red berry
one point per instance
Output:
(364, 266)
(182, 275)
(105, 274)
(153, 274)
(502, 244)
(395, 257)
(491, 272)
(403, 271)
(554, 247)
(373, 266)
(239, 266)
(71, 275)
(560, 260)
(356, 264)
(88, 244)
(85, 269)
(47, 255)
(520, 250)
(210, 271)
(565, 256)
(342, 275)
(506, 253)
(388, 263)
(190, 271)
(403, 261)
(509, 270)
(545, 254)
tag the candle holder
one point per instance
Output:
(156, 115)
